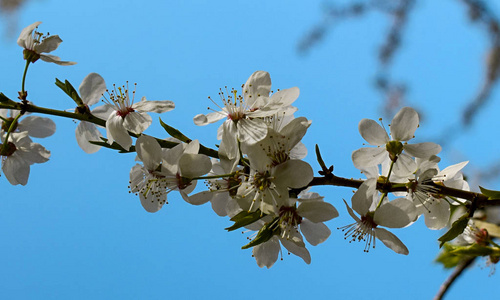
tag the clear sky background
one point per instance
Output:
(74, 232)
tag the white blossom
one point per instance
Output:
(36, 45)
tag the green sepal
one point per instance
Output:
(245, 218)
(457, 228)
(70, 91)
(264, 234)
(490, 193)
(174, 132)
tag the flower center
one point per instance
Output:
(289, 220)
(120, 99)
(361, 231)
(262, 180)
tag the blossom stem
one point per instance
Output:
(11, 128)
(24, 77)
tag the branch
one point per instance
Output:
(456, 273)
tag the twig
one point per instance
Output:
(456, 273)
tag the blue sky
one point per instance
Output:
(75, 232)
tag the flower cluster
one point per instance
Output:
(257, 177)
(414, 166)
(261, 152)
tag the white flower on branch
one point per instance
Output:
(397, 213)
(91, 90)
(129, 116)
(166, 170)
(35, 126)
(291, 223)
(244, 114)
(18, 154)
(35, 45)
(403, 127)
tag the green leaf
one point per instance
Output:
(447, 258)
(473, 250)
(490, 193)
(174, 132)
(70, 91)
(4, 99)
(457, 228)
(245, 218)
(264, 234)
(113, 146)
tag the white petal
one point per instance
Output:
(152, 204)
(317, 211)
(137, 122)
(220, 202)
(404, 166)
(48, 45)
(209, 118)
(16, 170)
(351, 212)
(437, 214)
(149, 152)
(56, 60)
(153, 106)
(194, 165)
(397, 213)
(404, 124)
(38, 127)
(298, 250)
(258, 84)
(391, 241)
(116, 132)
(104, 111)
(199, 198)
(92, 88)
(26, 34)
(450, 171)
(251, 131)
(229, 145)
(266, 253)
(373, 133)
(285, 97)
(86, 132)
(315, 233)
(293, 173)
(369, 157)
(422, 150)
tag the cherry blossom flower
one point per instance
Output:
(221, 190)
(18, 155)
(36, 126)
(397, 213)
(424, 193)
(403, 127)
(129, 116)
(267, 187)
(291, 223)
(166, 170)
(244, 114)
(35, 44)
(91, 90)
